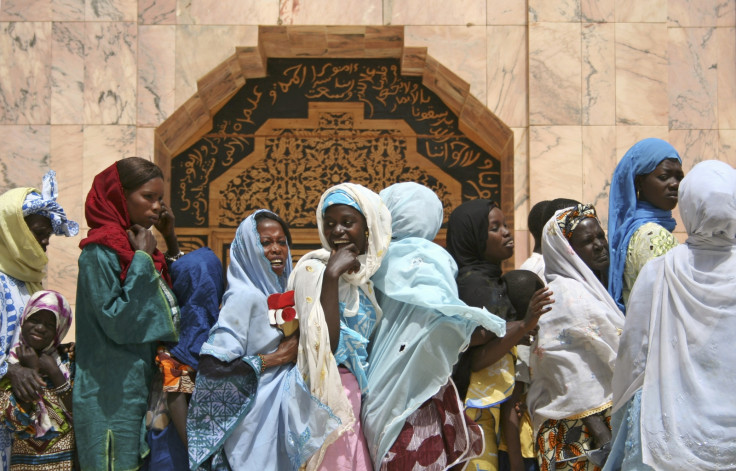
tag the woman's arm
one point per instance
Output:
(342, 260)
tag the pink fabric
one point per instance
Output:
(350, 451)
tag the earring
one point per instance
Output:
(366, 233)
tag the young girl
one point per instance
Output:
(43, 437)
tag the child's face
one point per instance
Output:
(39, 329)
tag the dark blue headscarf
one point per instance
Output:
(198, 284)
(626, 213)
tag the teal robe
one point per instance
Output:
(118, 327)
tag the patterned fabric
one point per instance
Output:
(570, 219)
(436, 436)
(352, 349)
(626, 452)
(45, 205)
(494, 384)
(177, 376)
(13, 298)
(340, 197)
(649, 241)
(562, 444)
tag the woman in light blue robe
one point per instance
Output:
(263, 417)
(425, 326)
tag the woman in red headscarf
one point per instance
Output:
(124, 308)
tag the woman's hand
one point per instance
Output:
(27, 357)
(166, 225)
(141, 239)
(285, 353)
(27, 383)
(67, 348)
(538, 305)
(343, 260)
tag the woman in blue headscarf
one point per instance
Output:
(640, 223)
(251, 408)
(412, 413)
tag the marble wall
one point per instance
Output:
(85, 82)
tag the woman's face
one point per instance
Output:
(500, 242)
(589, 242)
(40, 227)
(343, 225)
(660, 186)
(274, 242)
(144, 203)
(39, 329)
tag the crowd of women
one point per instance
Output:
(382, 349)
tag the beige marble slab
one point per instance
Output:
(627, 136)
(555, 74)
(598, 11)
(201, 48)
(345, 12)
(523, 245)
(67, 10)
(638, 11)
(24, 155)
(506, 51)
(144, 142)
(110, 73)
(503, 12)
(24, 81)
(641, 74)
(599, 162)
(599, 74)
(111, 10)
(25, 10)
(692, 85)
(562, 11)
(695, 145)
(555, 162)
(157, 12)
(227, 12)
(434, 12)
(67, 73)
(521, 177)
(726, 98)
(727, 146)
(104, 145)
(156, 73)
(459, 48)
(701, 12)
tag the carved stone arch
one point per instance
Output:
(310, 106)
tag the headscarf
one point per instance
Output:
(106, 211)
(21, 256)
(626, 213)
(467, 234)
(677, 342)
(315, 359)
(574, 353)
(425, 325)
(198, 285)
(250, 280)
(568, 221)
(414, 211)
(58, 305)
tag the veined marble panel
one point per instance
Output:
(641, 74)
(156, 73)
(104, 145)
(111, 10)
(555, 162)
(597, 11)
(701, 12)
(345, 12)
(67, 73)
(67, 10)
(24, 81)
(25, 10)
(695, 145)
(555, 70)
(24, 155)
(503, 12)
(693, 78)
(521, 178)
(599, 74)
(507, 73)
(599, 162)
(110, 73)
(459, 48)
(727, 146)
(563, 11)
(434, 12)
(199, 49)
(726, 44)
(523, 246)
(227, 12)
(144, 142)
(637, 11)
(627, 136)
(157, 12)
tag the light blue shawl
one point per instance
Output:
(286, 424)
(626, 213)
(424, 326)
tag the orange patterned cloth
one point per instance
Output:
(178, 377)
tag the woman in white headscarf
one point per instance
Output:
(673, 390)
(335, 299)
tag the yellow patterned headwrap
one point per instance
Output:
(21, 256)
